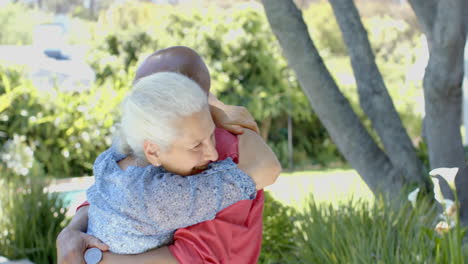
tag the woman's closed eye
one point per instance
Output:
(197, 146)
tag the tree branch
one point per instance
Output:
(442, 84)
(425, 11)
(373, 94)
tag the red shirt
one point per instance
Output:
(234, 236)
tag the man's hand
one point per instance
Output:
(233, 118)
(71, 245)
(230, 117)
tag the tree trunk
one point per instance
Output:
(328, 102)
(265, 128)
(445, 26)
(373, 94)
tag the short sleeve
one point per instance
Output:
(226, 145)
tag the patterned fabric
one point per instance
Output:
(140, 208)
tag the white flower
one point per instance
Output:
(442, 227)
(437, 191)
(17, 155)
(82, 108)
(65, 153)
(413, 196)
(449, 207)
(85, 136)
(448, 174)
(57, 121)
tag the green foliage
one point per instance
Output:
(422, 152)
(324, 29)
(66, 131)
(30, 220)
(279, 232)
(246, 66)
(17, 23)
(381, 232)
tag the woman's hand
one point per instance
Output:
(230, 117)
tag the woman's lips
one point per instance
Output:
(201, 168)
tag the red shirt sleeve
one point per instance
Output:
(234, 236)
(85, 203)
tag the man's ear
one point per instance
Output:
(152, 152)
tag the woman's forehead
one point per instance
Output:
(196, 127)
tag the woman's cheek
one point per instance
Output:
(192, 159)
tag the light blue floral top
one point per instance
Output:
(140, 208)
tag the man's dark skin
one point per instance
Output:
(187, 62)
(176, 59)
(232, 118)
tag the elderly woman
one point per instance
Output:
(258, 162)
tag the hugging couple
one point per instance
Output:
(183, 180)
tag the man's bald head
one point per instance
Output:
(176, 59)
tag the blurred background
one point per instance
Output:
(65, 65)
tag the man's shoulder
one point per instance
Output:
(226, 145)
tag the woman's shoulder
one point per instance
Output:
(221, 165)
(225, 167)
(112, 162)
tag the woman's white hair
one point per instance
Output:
(151, 108)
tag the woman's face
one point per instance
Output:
(195, 146)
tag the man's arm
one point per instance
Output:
(257, 159)
(73, 241)
(155, 256)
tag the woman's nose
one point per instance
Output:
(210, 152)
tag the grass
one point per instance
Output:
(338, 220)
(330, 186)
(30, 220)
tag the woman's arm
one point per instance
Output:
(257, 159)
(167, 201)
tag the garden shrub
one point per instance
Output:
(17, 23)
(380, 232)
(66, 131)
(30, 220)
(247, 68)
(279, 232)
